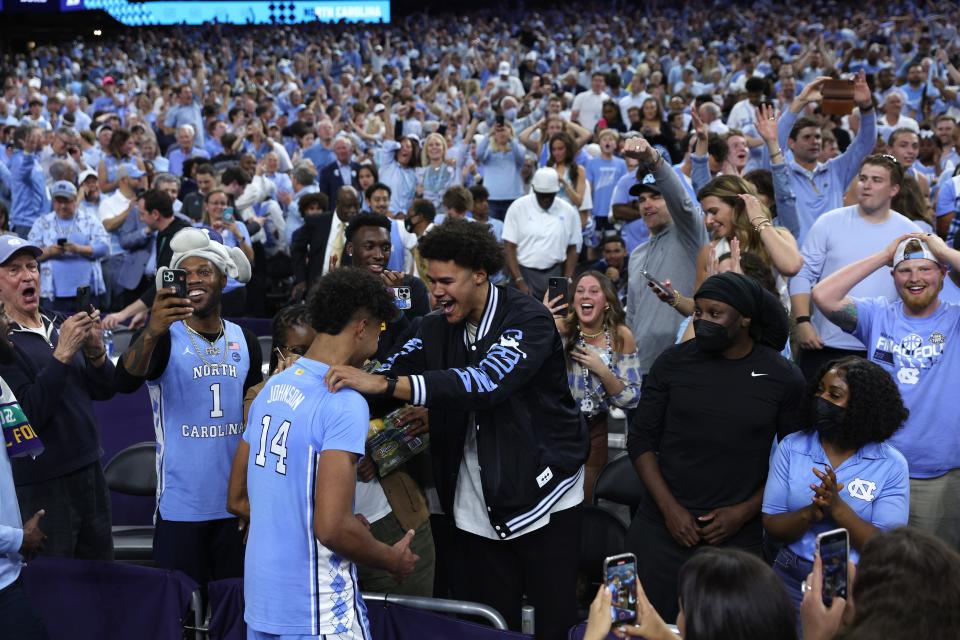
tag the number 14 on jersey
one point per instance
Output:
(278, 446)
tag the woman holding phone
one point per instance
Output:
(838, 472)
(219, 216)
(603, 369)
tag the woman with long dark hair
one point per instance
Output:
(602, 366)
(122, 149)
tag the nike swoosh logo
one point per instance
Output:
(754, 374)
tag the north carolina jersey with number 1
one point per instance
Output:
(293, 585)
(198, 419)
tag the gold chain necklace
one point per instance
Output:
(211, 349)
(591, 336)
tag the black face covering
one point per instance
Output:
(711, 336)
(828, 419)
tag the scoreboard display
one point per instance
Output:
(168, 12)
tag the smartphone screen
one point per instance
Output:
(228, 214)
(620, 574)
(558, 287)
(834, 549)
(176, 278)
(83, 300)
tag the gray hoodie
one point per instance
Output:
(669, 255)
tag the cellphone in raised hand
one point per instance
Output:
(834, 549)
(82, 301)
(558, 287)
(176, 278)
(620, 577)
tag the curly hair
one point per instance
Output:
(342, 294)
(907, 586)
(875, 409)
(465, 242)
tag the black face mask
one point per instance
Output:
(828, 419)
(712, 337)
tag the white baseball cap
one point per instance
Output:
(546, 180)
(918, 251)
(504, 68)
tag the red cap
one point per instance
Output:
(108, 80)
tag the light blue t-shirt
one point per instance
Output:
(917, 353)
(198, 419)
(635, 232)
(293, 584)
(603, 176)
(838, 238)
(876, 485)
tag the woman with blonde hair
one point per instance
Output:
(437, 174)
(731, 209)
(501, 157)
(603, 369)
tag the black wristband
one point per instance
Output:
(391, 385)
(802, 319)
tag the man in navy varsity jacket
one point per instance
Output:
(508, 440)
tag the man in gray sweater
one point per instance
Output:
(677, 232)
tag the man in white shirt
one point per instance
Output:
(118, 213)
(638, 94)
(506, 82)
(541, 235)
(587, 106)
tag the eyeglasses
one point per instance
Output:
(296, 349)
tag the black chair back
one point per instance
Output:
(619, 483)
(602, 535)
(133, 471)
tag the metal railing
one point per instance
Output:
(460, 607)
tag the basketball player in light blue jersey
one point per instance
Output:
(197, 367)
(294, 475)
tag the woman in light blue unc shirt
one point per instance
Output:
(839, 472)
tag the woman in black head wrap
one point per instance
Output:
(708, 414)
(733, 310)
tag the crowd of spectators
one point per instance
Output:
(721, 239)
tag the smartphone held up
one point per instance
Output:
(834, 549)
(620, 576)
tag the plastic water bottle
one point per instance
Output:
(108, 342)
(526, 620)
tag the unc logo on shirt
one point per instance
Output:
(862, 489)
(908, 375)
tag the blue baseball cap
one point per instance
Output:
(63, 189)
(11, 244)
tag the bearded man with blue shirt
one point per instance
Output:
(911, 339)
(198, 368)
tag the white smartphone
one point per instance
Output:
(834, 549)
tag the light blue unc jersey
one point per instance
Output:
(198, 419)
(293, 585)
